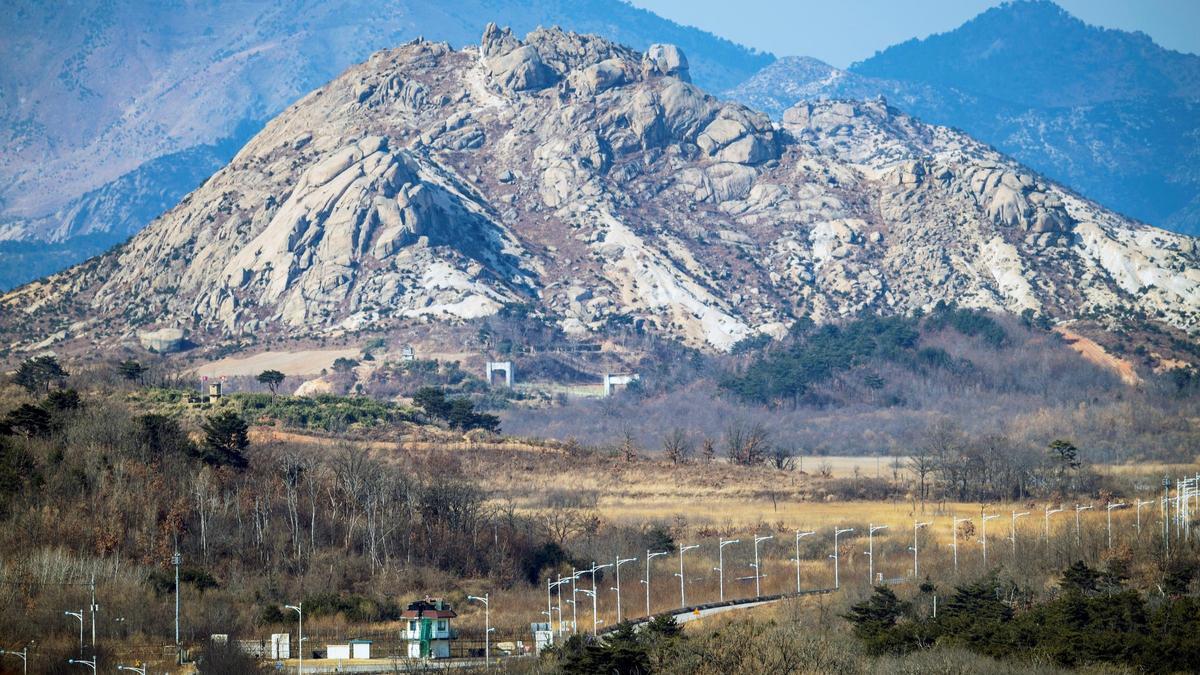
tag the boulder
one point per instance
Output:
(512, 65)
(666, 60)
(598, 77)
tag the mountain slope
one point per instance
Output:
(91, 92)
(598, 186)
(1107, 112)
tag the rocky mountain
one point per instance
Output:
(110, 112)
(599, 186)
(1107, 112)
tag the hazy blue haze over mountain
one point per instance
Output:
(91, 93)
(1106, 112)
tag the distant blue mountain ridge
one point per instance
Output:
(1106, 112)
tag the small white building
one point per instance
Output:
(281, 646)
(337, 651)
(360, 649)
(427, 628)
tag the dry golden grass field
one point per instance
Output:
(700, 502)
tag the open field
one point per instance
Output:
(305, 362)
(699, 502)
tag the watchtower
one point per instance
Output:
(427, 628)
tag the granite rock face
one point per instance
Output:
(599, 186)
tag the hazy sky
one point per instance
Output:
(842, 31)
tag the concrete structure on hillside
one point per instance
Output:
(408, 354)
(427, 628)
(616, 382)
(495, 368)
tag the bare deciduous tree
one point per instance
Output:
(746, 443)
(677, 445)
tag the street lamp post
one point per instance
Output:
(758, 566)
(837, 579)
(93, 607)
(78, 615)
(984, 518)
(682, 593)
(1109, 508)
(574, 597)
(595, 568)
(798, 535)
(298, 608)
(954, 538)
(617, 570)
(871, 530)
(80, 662)
(1049, 512)
(592, 594)
(134, 669)
(558, 587)
(650, 556)
(176, 559)
(1012, 533)
(721, 544)
(1079, 509)
(487, 626)
(1140, 504)
(549, 603)
(23, 654)
(1166, 515)
(916, 549)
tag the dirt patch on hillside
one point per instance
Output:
(1093, 352)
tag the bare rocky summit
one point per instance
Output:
(600, 186)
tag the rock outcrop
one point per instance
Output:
(599, 186)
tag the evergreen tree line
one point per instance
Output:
(1092, 618)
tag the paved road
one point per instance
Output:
(684, 614)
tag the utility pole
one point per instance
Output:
(871, 530)
(721, 544)
(954, 538)
(915, 548)
(1012, 533)
(650, 556)
(1109, 508)
(617, 570)
(682, 593)
(798, 535)
(837, 580)
(176, 559)
(94, 607)
(984, 518)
